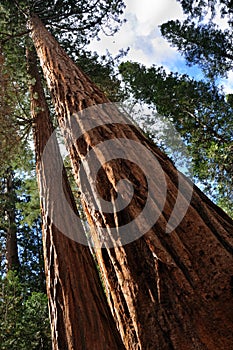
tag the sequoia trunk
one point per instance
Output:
(79, 314)
(166, 290)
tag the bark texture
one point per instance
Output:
(166, 291)
(79, 314)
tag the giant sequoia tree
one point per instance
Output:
(168, 289)
(84, 320)
(78, 310)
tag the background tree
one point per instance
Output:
(24, 319)
(201, 8)
(205, 44)
(201, 114)
(14, 127)
(202, 41)
(9, 127)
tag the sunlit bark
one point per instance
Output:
(79, 313)
(166, 291)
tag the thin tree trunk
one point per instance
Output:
(79, 313)
(12, 257)
(166, 291)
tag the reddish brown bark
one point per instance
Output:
(79, 313)
(166, 291)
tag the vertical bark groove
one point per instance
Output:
(79, 314)
(163, 291)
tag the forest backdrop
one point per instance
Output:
(200, 111)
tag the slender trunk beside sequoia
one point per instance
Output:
(8, 181)
(166, 290)
(12, 256)
(79, 314)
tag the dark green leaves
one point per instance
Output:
(82, 19)
(200, 39)
(201, 8)
(202, 44)
(24, 320)
(201, 114)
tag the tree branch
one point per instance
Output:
(218, 137)
(12, 36)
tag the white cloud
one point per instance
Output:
(151, 49)
(141, 33)
(162, 50)
(228, 83)
(151, 13)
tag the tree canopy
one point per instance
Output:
(73, 22)
(201, 115)
(201, 40)
(200, 111)
(201, 8)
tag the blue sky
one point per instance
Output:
(141, 34)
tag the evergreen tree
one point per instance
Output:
(24, 319)
(201, 114)
(205, 44)
(165, 290)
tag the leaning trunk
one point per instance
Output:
(166, 290)
(79, 313)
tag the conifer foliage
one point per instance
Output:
(164, 290)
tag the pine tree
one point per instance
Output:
(201, 114)
(200, 39)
